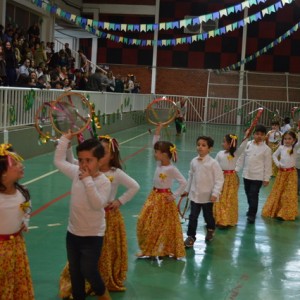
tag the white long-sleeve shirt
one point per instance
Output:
(228, 162)
(11, 214)
(119, 177)
(89, 196)
(282, 157)
(205, 179)
(256, 162)
(164, 176)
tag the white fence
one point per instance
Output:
(15, 111)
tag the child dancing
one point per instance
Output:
(89, 196)
(226, 209)
(283, 200)
(256, 162)
(15, 207)
(204, 188)
(159, 230)
(113, 261)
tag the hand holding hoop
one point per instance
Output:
(255, 121)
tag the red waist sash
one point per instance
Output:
(7, 237)
(228, 171)
(162, 190)
(287, 169)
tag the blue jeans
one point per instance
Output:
(193, 217)
(83, 255)
(252, 188)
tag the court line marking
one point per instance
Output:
(56, 170)
(46, 205)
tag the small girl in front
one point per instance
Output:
(15, 207)
(282, 202)
(159, 230)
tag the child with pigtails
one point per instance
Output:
(226, 209)
(282, 202)
(159, 230)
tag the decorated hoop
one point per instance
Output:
(43, 124)
(161, 111)
(255, 120)
(295, 113)
(183, 206)
(71, 111)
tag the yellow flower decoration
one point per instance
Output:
(5, 152)
(289, 151)
(173, 151)
(111, 178)
(26, 207)
(162, 176)
(229, 157)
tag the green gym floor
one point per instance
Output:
(260, 261)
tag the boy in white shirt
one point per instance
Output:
(256, 162)
(86, 227)
(204, 187)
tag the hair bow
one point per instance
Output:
(113, 143)
(233, 140)
(173, 151)
(5, 152)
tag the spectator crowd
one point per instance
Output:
(26, 61)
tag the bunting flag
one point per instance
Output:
(261, 51)
(150, 27)
(86, 25)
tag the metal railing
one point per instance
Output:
(16, 110)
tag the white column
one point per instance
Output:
(154, 56)
(2, 12)
(242, 69)
(95, 42)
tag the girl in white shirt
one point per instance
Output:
(159, 230)
(15, 207)
(113, 262)
(283, 200)
(226, 209)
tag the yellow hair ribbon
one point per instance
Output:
(173, 151)
(5, 152)
(113, 143)
(233, 140)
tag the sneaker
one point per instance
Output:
(209, 235)
(189, 242)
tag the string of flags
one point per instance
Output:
(148, 27)
(261, 51)
(88, 26)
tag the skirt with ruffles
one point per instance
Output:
(274, 147)
(226, 209)
(113, 262)
(15, 277)
(283, 200)
(159, 230)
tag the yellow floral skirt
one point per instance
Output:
(113, 262)
(274, 147)
(226, 209)
(159, 230)
(15, 277)
(283, 200)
